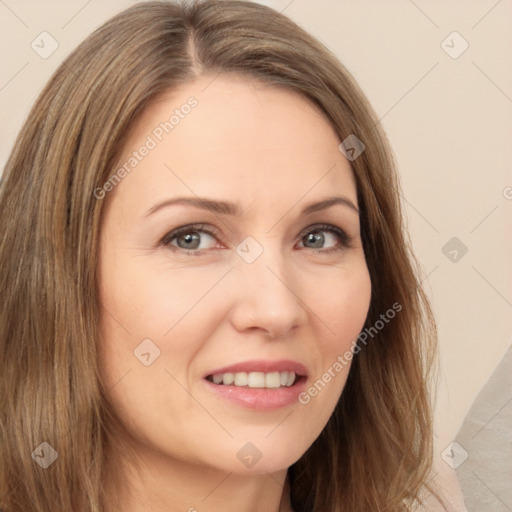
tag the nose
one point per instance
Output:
(267, 296)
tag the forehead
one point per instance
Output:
(242, 137)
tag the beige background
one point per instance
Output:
(450, 124)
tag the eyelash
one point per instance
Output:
(344, 237)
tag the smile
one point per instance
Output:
(260, 385)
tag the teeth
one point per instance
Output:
(272, 380)
(255, 379)
(241, 379)
(227, 378)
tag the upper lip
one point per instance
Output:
(263, 365)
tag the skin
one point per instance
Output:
(271, 152)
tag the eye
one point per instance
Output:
(314, 235)
(188, 238)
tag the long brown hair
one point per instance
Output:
(376, 451)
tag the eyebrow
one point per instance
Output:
(228, 208)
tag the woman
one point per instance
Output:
(286, 365)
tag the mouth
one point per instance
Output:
(260, 385)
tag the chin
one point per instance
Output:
(258, 455)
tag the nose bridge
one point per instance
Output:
(264, 262)
(266, 296)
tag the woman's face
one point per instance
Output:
(253, 289)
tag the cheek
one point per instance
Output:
(161, 302)
(342, 305)
(168, 306)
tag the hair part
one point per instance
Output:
(376, 451)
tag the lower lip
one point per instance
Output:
(260, 399)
